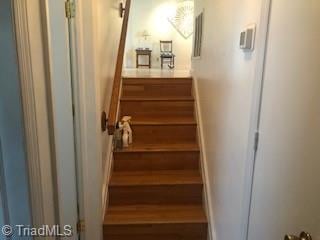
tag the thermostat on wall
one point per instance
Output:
(247, 38)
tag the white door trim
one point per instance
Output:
(56, 38)
(28, 33)
(87, 112)
(262, 38)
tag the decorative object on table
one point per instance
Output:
(126, 131)
(143, 52)
(144, 40)
(182, 21)
(166, 53)
(145, 34)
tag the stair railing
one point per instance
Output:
(115, 97)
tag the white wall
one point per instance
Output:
(13, 159)
(151, 15)
(225, 77)
(108, 26)
(108, 30)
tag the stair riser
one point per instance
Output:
(156, 161)
(165, 134)
(156, 109)
(173, 231)
(154, 88)
(162, 194)
(155, 237)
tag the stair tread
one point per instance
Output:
(166, 98)
(170, 120)
(172, 147)
(142, 178)
(154, 214)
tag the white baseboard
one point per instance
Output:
(106, 177)
(208, 202)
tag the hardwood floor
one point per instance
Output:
(156, 188)
(155, 73)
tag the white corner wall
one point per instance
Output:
(224, 78)
(151, 15)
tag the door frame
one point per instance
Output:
(57, 58)
(86, 140)
(53, 200)
(37, 134)
(262, 43)
(86, 100)
(87, 111)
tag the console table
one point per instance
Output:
(143, 52)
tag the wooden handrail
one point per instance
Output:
(115, 97)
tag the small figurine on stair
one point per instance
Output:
(123, 134)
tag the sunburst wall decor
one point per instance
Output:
(182, 21)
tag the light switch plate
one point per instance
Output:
(247, 38)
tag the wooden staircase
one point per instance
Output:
(155, 190)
